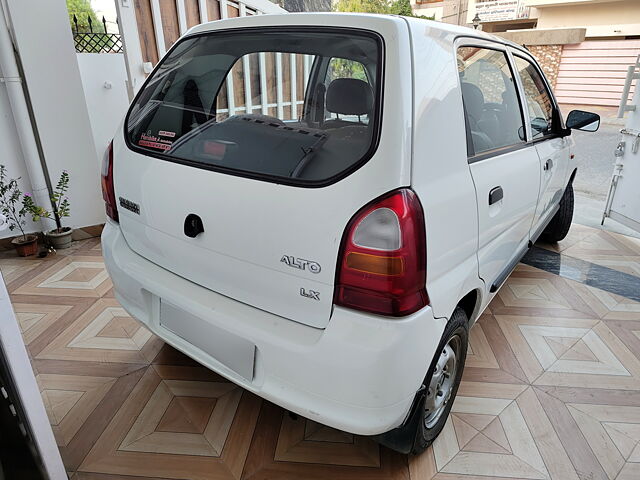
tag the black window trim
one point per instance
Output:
(497, 151)
(375, 138)
(472, 157)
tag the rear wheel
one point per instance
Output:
(561, 221)
(442, 381)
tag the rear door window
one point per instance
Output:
(491, 105)
(296, 107)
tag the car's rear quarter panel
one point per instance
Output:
(440, 172)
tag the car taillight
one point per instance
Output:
(108, 193)
(382, 262)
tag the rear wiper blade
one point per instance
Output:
(307, 155)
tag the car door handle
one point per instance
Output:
(547, 165)
(495, 195)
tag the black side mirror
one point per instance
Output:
(585, 121)
(539, 125)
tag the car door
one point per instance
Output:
(504, 167)
(543, 117)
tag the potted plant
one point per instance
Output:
(15, 211)
(59, 237)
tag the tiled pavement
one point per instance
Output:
(551, 388)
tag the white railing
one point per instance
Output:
(137, 69)
(285, 101)
(284, 98)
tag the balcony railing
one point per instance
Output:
(96, 42)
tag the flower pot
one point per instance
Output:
(26, 246)
(60, 240)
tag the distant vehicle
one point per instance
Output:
(330, 253)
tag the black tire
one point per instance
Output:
(561, 222)
(458, 327)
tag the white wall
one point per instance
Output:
(105, 90)
(45, 44)
(20, 369)
(11, 154)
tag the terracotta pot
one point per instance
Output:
(26, 247)
(60, 240)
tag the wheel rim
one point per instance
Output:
(442, 382)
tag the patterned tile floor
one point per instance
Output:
(551, 389)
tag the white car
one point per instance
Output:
(319, 206)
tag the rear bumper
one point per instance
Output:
(360, 374)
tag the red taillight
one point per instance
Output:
(382, 263)
(108, 193)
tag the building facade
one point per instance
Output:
(584, 46)
(448, 11)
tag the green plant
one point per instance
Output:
(36, 212)
(59, 200)
(59, 203)
(10, 205)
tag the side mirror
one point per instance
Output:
(539, 125)
(585, 121)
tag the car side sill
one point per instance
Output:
(495, 286)
(538, 232)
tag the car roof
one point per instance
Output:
(326, 18)
(461, 31)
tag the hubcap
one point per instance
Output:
(442, 382)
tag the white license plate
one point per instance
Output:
(234, 352)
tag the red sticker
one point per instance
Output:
(151, 141)
(158, 145)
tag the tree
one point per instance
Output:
(368, 6)
(97, 42)
(394, 7)
(305, 5)
(402, 7)
(82, 10)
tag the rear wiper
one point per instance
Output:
(307, 155)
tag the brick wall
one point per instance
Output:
(548, 57)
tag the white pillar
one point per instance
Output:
(58, 102)
(20, 111)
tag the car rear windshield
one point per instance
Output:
(291, 106)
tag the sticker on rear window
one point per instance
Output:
(165, 133)
(151, 141)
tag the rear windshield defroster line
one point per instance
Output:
(298, 106)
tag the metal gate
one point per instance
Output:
(623, 201)
(593, 72)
